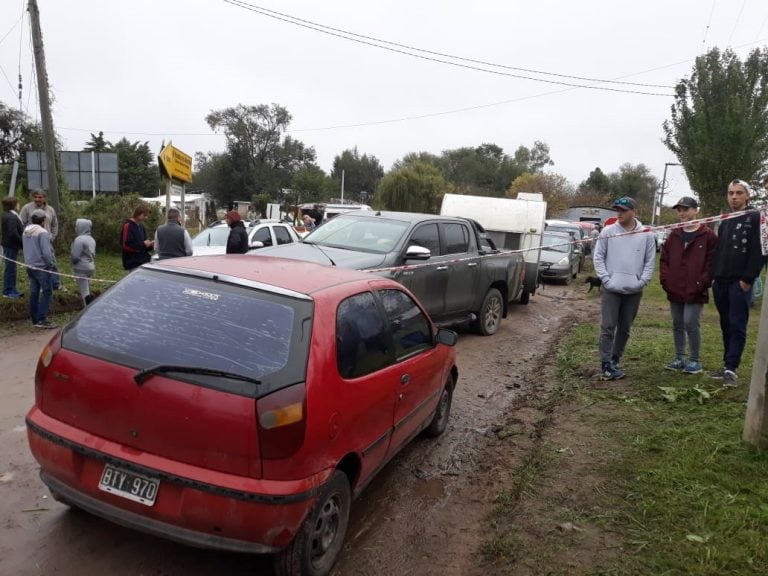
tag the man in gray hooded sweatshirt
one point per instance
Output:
(624, 262)
(82, 254)
(38, 256)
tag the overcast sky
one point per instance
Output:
(152, 70)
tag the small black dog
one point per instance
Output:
(593, 281)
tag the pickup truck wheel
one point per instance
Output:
(317, 544)
(525, 297)
(442, 412)
(490, 313)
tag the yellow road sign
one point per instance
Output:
(175, 164)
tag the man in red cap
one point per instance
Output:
(237, 242)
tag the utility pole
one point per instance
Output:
(756, 421)
(45, 105)
(657, 205)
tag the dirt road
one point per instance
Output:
(424, 514)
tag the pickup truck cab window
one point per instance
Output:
(426, 236)
(456, 238)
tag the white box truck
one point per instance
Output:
(512, 224)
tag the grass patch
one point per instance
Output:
(692, 498)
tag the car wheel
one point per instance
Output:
(316, 546)
(490, 313)
(442, 412)
(567, 280)
(525, 297)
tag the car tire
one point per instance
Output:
(439, 421)
(525, 297)
(489, 318)
(567, 280)
(317, 544)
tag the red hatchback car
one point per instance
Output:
(238, 403)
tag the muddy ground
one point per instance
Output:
(430, 511)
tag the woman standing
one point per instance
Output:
(82, 255)
(13, 228)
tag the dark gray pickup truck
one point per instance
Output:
(448, 263)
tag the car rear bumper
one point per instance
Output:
(195, 506)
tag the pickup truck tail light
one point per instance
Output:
(43, 363)
(282, 421)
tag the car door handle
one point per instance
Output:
(471, 264)
(442, 268)
(405, 379)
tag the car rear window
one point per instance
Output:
(153, 317)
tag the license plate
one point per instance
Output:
(129, 485)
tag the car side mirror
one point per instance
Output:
(447, 337)
(417, 253)
(256, 244)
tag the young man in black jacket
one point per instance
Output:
(737, 263)
(12, 229)
(237, 241)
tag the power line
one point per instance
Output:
(736, 23)
(10, 30)
(370, 41)
(759, 31)
(709, 21)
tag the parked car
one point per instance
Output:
(439, 258)
(213, 240)
(577, 232)
(559, 257)
(244, 407)
(659, 237)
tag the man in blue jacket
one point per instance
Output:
(624, 259)
(737, 263)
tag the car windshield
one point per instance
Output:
(212, 237)
(152, 317)
(377, 235)
(555, 243)
(559, 228)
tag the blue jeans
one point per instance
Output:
(39, 282)
(733, 306)
(9, 274)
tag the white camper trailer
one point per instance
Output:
(512, 224)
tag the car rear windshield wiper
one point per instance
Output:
(143, 374)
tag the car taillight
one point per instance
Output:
(282, 421)
(43, 362)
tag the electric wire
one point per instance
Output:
(760, 30)
(361, 40)
(736, 23)
(709, 22)
(13, 27)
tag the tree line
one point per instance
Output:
(717, 130)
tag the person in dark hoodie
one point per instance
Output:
(133, 239)
(13, 228)
(41, 265)
(237, 241)
(738, 261)
(82, 255)
(686, 274)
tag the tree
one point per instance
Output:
(138, 174)
(637, 182)
(417, 187)
(719, 124)
(555, 188)
(598, 181)
(97, 144)
(18, 134)
(311, 184)
(361, 174)
(263, 156)
(533, 159)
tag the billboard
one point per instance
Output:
(77, 170)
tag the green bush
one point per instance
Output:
(107, 213)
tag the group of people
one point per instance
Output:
(33, 230)
(692, 259)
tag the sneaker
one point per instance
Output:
(730, 378)
(717, 374)
(676, 364)
(14, 296)
(610, 371)
(692, 367)
(61, 288)
(45, 324)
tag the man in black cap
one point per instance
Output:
(737, 263)
(624, 259)
(685, 274)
